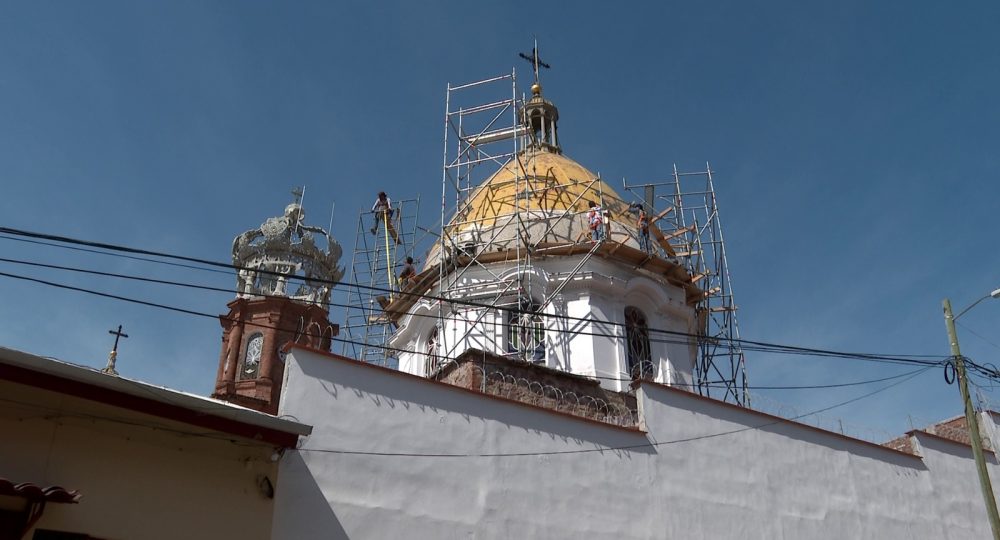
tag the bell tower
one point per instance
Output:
(539, 117)
(284, 282)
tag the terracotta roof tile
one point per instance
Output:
(32, 492)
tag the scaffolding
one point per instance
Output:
(687, 227)
(381, 243)
(482, 135)
(502, 212)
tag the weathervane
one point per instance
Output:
(113, 355)
(535, 61)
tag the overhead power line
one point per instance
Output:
(119, 255)
(777, 349)
(745, 344)
(192, 312)
(788, 387)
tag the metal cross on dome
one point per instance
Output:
(535, 61)
(113, 355)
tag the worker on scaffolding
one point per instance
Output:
(383, 213)
(407, 275)
(382, 209)
(642, 225)
(595, 218)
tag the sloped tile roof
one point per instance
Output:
(35, 493)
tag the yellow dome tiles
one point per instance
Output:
(539, 181)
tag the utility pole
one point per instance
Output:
(972, 421)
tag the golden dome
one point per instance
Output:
(539, 183)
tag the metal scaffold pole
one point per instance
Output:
(688, 229)
(480, 139)
(381, 242)
(520, 223)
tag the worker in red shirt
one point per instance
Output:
(595, 218)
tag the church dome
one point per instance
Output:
(541, 182)
(536, 203)
(542, 198)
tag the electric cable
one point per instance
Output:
(98, 252)
(795, 350)
(218, 264)
(775, 349)
(742, 342)
(973, 332)
(305, 331)
(800, 387)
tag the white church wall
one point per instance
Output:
(413, 336)
(586, 347)
(422, 497)
(412, 362)
(138, 479)
(608, 349)
(679, 353)
(716, 471)
(576, 345)
(787, 480)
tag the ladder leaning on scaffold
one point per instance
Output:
(390, 261)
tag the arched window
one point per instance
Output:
(431, 348)
(251, 360)
(526, 332)
(637, 355)
(314, 335)
(327, 342)
(300, 329)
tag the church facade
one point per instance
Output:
(545, 262)
(534, 399)
(537, 397)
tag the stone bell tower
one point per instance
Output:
(284, 285)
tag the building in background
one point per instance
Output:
(85, 454)
(286, 272)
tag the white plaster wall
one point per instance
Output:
(680, 355)
(714, 472)
(601, 291)
(137, 483)
(578, 333)
(785, 480)
(607, 352)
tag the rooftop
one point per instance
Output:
(87, 383)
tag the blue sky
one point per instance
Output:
(855, 150)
